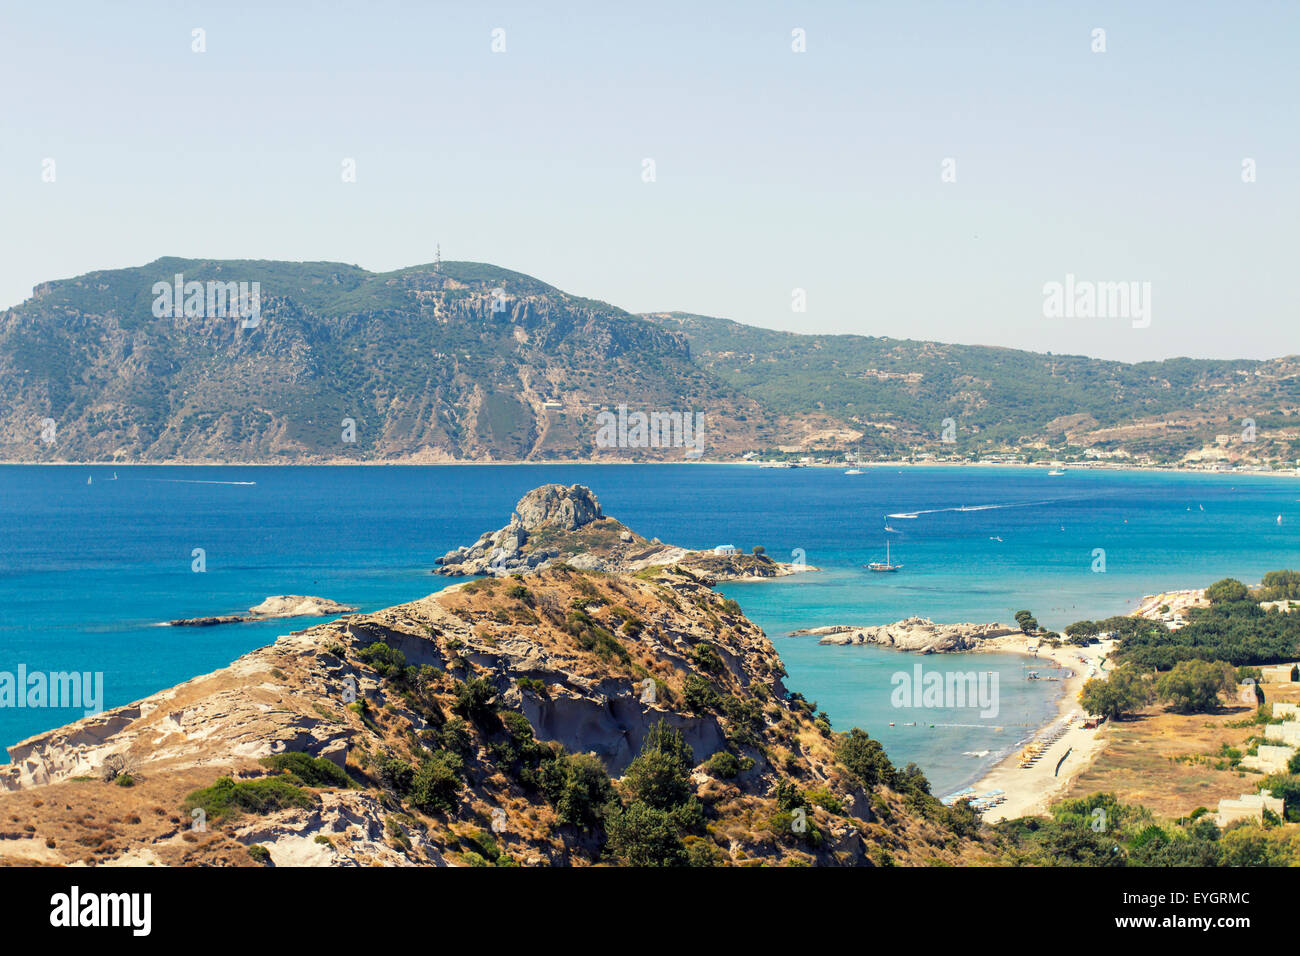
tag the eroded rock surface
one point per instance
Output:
(913, 634)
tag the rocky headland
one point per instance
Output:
(917, 634)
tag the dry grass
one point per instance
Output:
(1140, 762)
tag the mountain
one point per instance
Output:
(563, 718)
(467, 361)
(898, 392)
(432, 363)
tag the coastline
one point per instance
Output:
(568, 462)
(1027, 791)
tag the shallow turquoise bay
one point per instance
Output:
(88, 571)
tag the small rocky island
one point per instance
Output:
(276, 606)
(554, 524)
(918, 634)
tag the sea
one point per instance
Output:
(95, 559)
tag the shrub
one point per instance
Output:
(699, 694)
(394, 774)
(534, 685)
(707, 659)
(226, 797)
(518, 592)
(437, 783)
(821, 797)
(788, 796)
(310, 771)
(592, 637)
(724, 765)
(387, 661)
(473, 699)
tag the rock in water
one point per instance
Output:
(298, 605)
(276, 606)
(555, 524)
(913, 634)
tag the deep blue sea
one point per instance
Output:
(89, 570)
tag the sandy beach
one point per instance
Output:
(1029, 790)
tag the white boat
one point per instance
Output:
(854, 471)
(887, 566)
(1056, 471)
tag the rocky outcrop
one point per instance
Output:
(913, 634)
(556, 507)
(554, 524)
(276, 606)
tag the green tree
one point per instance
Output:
(1227, 591)
(1125, 691)
(580, 789)
(865, 759)
(642, 835)
(1027, 622)
(1193, 687)
(660, 775)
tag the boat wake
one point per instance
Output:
(188, 481)
(988, 507)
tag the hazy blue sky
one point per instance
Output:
(775, 170)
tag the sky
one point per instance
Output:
(774, 170)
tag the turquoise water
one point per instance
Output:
(88, 571)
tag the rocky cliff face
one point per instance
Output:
(477, 725)
(913, 634)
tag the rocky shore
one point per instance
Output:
(275, 607)
(917, 634)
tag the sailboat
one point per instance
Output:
(887, 566)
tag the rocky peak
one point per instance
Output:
(557, 507)
(555, 524)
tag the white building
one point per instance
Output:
(1269, 759)
(726, 549)
(1286, 733)
(1250, 806)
